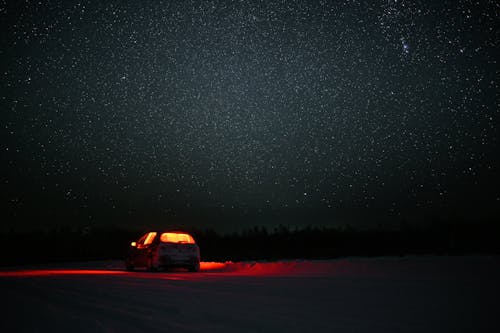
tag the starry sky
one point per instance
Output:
(229, 114)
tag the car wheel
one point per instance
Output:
(151, 266)
(194, 268)
(128, 266)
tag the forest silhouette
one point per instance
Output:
(258, 243)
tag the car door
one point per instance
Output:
(138, 251)
(143, 249)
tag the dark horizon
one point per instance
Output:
(231, 115)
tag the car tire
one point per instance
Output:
(194, 268)
(151, 266)
(128, 266)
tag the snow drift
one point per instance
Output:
(420, 294)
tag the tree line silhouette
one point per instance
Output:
(257, 243)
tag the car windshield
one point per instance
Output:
(174, 237)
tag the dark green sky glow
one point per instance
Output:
(226, 113)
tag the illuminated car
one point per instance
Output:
(156, 250)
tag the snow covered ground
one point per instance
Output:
(408, 294)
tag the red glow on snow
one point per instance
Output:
(52, 272)
(215, 270)
(213, 266)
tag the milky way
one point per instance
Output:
(238, 113)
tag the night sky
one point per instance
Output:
(230, 114)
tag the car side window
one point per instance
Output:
(140, 242)
(149, 238)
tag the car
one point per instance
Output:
(161, 250)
